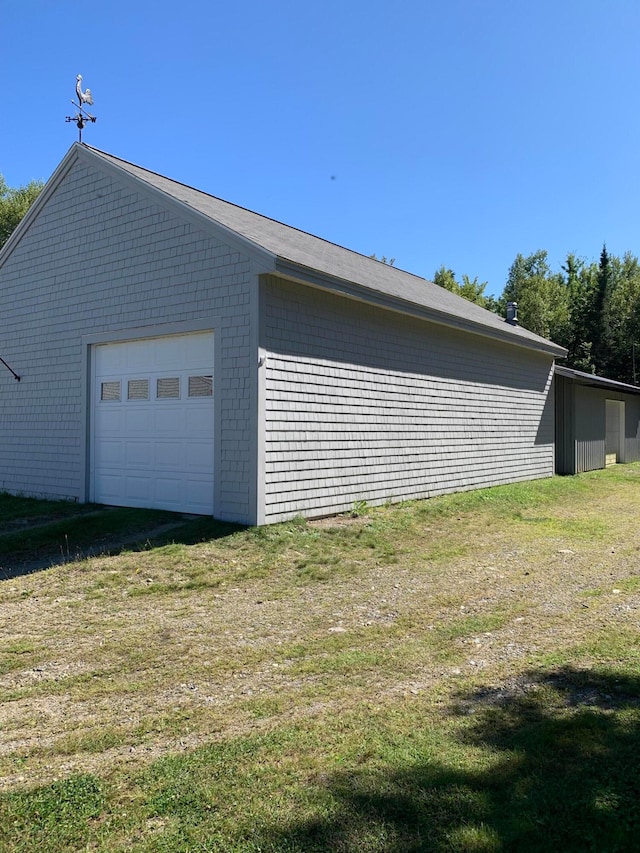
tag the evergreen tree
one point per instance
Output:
(620, 315)
(592, 309)
(596, 329)
(579, 288)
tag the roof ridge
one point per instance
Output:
(299, 253)
(253, 212)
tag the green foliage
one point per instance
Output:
(619, 320)
(383, 260)
(14, 203)
(604, 315)
(580, 282)
(471, 290)
(359, 508)
(543, 305)
(591, 309)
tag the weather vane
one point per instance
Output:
(82, 116)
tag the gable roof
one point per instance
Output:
(301, 256)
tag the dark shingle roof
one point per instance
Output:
(308, 252)
(596, 381)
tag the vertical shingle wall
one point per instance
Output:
(99, 258)
(632, 428)
(365, 404)
(565, 425)
(590, 426)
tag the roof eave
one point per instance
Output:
(291, 270)
(594, 381)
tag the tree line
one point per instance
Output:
(590, 308)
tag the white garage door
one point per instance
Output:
(153, 423)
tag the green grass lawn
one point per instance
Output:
(459, 674)
(46, 532)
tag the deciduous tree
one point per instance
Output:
(14, 203)
(541, 296)
(471, 290)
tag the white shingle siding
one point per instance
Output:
(362, 404)
(101, 257)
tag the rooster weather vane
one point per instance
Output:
(82, 116)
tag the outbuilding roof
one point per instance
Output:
(301, 256)
(595, 381)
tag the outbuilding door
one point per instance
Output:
(614, 443)
(153, 423)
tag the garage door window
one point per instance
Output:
(138, 389)
(110, 392)
(168, 388)
(200, 386)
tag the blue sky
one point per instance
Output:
(456, 132)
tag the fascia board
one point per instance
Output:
(264, 260)
(294, 272)
(45, 194)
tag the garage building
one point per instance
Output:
(178, 351)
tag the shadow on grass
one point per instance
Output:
(106, 531)
(190, 532)
(561, 772)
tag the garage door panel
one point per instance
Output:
(199, 455)
(199, 419)
(138, 421)
(111, 419)
(169, 454)
(170, 420)
(109, 486)
(170, 490)
(138, 487)
(137, 355)
(198, 494)
(199, 351)
(109, 359)
(110, 453)
(154, 450)
(169, 353)
(139, 453)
